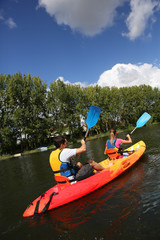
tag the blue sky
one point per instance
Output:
(104, 42)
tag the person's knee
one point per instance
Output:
(95, 165)
(79, 164)
(92, 163)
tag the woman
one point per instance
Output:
(113, 145)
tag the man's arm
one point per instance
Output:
(82, 148)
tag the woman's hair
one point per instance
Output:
(112, 135)
(112, 130)
(59, 140)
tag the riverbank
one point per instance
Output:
(52, 147)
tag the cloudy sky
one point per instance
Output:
(104, 42)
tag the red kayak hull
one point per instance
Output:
(58, 196)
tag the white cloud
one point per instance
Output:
(126, 75)
(141, 12)
(1, 14)
(82, 84)
(1, 17)
(10, 23)
(89, 17)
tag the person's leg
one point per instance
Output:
(79, 164)
(84, 172)
(77, 167)
(96, 166)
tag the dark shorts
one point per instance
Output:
(84, 172)
(76, 168)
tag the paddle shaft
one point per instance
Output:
(133, 130)
(141, 121)
(84, 140)
(86, 135)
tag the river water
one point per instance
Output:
(127, 208)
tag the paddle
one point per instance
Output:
(142, 121)
(92, 118)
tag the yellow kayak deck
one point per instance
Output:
(138, 150)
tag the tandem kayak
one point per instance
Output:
(64, 192)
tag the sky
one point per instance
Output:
(86, 42)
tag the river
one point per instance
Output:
(128, 208)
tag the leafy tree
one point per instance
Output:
(30, 112)
(7, 131)
(155, 103)
(38, 124)
(65, 107)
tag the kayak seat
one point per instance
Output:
(62, 180)
(112, 153)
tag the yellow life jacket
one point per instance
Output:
(60, 168)
(55, 162)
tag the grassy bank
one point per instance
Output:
(90, 137)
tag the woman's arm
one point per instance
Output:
(105, 150)
(127, 141)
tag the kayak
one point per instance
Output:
(65, 192)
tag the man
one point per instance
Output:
(61, 163)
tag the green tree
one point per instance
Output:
(156, 105)
(30, 112)
(37, 131)
(65, 107)
(8, 131)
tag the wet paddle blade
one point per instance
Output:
(143, 119)
(93, 116)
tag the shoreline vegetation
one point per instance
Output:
(51, 147)
(89, 138)
(32, 112)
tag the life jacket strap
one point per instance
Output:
(63, 170)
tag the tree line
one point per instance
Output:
(31, 112)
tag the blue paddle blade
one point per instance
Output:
(143, 119)
(93, 116)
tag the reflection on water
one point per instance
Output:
(126, 208)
